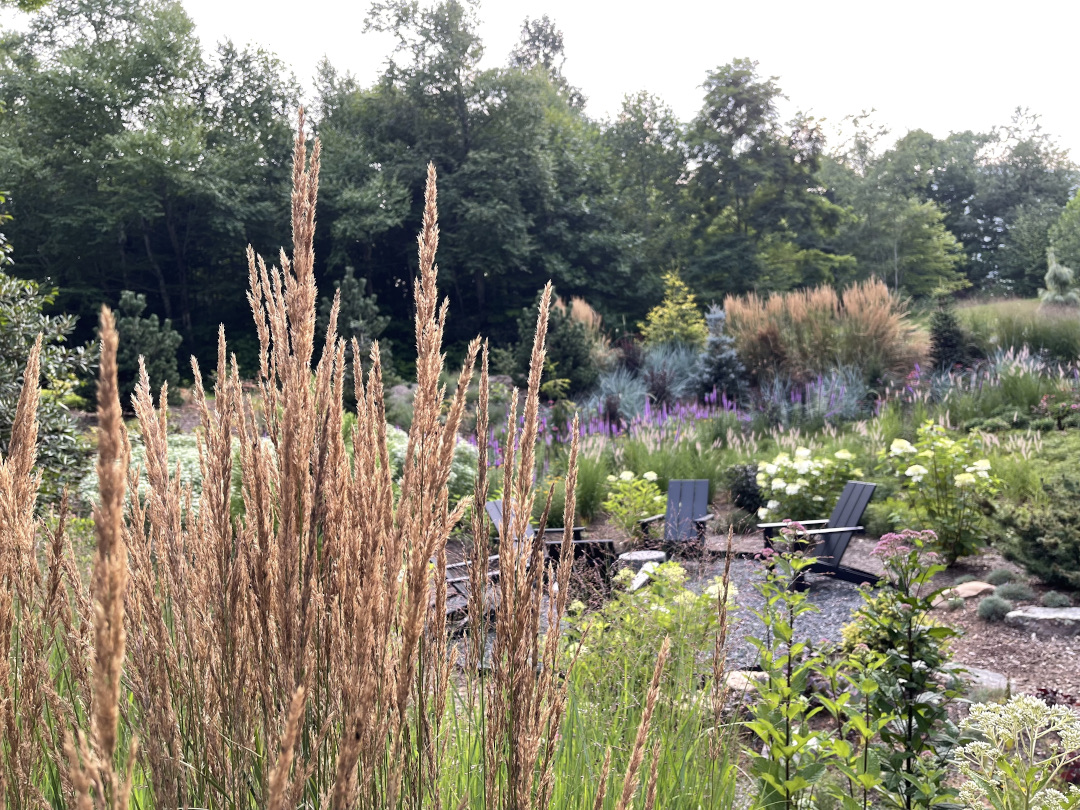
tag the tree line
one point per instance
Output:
(135, 161)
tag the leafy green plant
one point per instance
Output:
(614, 651)
(632, 498)
(61, 454)
(999, 576)
(946, 485)
(154, 341)
(793, 756)
(802, 487)
(1044, 536)
(994, 608)
(742, 486)
(677, 319)
(913, 681)
(1059, 284)
(1023, 746)
(1054, 599)
(1015, 592)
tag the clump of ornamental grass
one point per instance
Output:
(295, 653)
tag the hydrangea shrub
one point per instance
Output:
(946, 485)
(802, 486)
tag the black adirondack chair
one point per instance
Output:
(596, 551)
(687, 513)
(828, 539)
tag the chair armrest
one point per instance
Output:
(832, 530)
(704, 518)
(652, 519)
(781, 525)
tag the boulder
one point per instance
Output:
(969, 590)
(1044, 621)
(636, 560)
(742, 680)
(983, 678)
(642, 577)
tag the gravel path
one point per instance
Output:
(836, 602)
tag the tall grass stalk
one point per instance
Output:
(295, 653)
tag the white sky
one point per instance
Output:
(939, 65)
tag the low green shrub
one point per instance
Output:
(994, 608)
(999, 576)
(742, 486)
(1045, 537)
(960, 580)
(1055, 599)
(802, 486)
(631, 499)
(956, 603)
(1015, 592)
(947, 485)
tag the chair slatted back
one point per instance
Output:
(687, 500)
(495, 512)
(848, 512)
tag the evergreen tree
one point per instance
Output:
(359, 319)
(1059, 284)
(155, 342)
(677, 319)
(949, 344)
(719, 367)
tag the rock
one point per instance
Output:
(642, 577)
(983, 678)
(967, 590)
(1044, 621)
(742, 680)
(636, 560)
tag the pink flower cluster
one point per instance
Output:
(897, 543)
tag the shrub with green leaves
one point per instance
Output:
(1021, 750)
(803, 487)
(950, 345)
(1044, 536)
(913, 681)
(631, 499)
(1054, 599)
(946, 485)
(1015, 592)
(719, 367)
(61, 454)
(999, 576)
(677, 319)
(994, 608)
(155, 342)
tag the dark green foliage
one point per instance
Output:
(1054, 599)
(949, 343)
(61, 456)
(914, 682)
(569, 349)
(719, 367)
(1015, 592)
(742, 486)
(1045, 537)
(148, 339)
(359, 320)
(994, 609)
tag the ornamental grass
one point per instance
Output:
(296, 654)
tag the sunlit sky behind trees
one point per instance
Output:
(939, 65)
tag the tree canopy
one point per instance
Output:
(134, 160)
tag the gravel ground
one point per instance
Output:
(835, 601)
